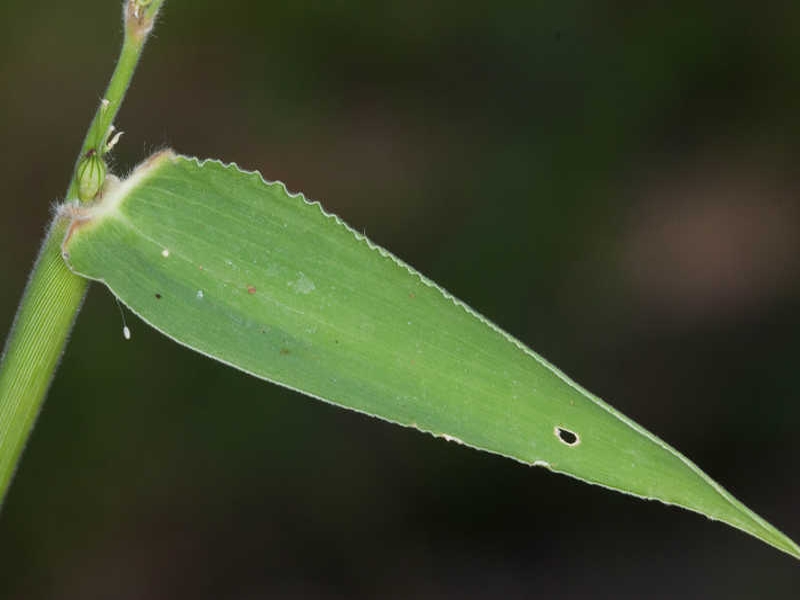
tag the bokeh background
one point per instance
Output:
(614, 183)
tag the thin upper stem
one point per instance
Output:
(138, 25)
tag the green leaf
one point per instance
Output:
(265, 281)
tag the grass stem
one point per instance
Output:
(53, 296)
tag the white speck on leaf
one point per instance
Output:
(199, 294)
(165, 253)
(303, 285)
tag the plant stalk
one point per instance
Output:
(54, 295)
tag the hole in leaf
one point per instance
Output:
(570, 438)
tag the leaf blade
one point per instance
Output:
(244, 272)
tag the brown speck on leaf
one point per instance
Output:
(412, 295)
(158, 296)
(200, 267)
(284, 351)
(251, 289)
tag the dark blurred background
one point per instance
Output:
(614, 183)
